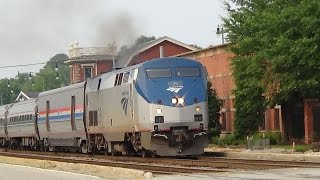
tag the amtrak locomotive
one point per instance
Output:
(154, 108)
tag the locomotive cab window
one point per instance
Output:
(158, 72)
(187, 71)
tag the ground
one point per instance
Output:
(101, 171)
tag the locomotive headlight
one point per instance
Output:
(177, 100)
(198, 109)
(181, 101)
(174, 100)
(159, 111)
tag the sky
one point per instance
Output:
(33, 31)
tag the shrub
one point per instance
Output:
(275, 137)
(227, 141)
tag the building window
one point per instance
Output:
(223, 121)
(71, 75)
(276, 119)
(87, 72)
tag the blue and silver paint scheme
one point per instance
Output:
(127, 101)
(179, 133)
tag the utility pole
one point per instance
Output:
(1, 99)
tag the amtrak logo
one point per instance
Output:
(124, 103)
(175, 86)
(175, 89)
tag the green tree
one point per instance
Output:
(6, 94)
(44, 80)
(214, 106)
(196, 46)
(277, 55)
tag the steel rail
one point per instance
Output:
(150, 167)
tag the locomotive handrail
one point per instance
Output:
(199, 134)
(160, 135)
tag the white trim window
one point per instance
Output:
(87, 71)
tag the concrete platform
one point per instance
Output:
(18, 172)
(295, 173)
(269, 154)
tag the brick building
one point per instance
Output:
(217, 61)
(89, 62)
(297, 121)
(152, 49)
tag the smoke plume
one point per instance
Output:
(33, 31)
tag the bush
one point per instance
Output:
(316, 135)
(227, 141)
(214, 131)
(275, 137)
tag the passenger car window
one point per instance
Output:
(187, 71)
(159, 73)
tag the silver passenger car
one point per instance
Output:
(3, 122)
(60, 117)
(21, 126)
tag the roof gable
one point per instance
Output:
(26, 96)
(125, 60)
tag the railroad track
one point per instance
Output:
(201, 164)
(123, 162)
(258, 164)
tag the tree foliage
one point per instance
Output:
(44, 80)
(214, 106)
(124, 50)
(276, 47)
(196, 46)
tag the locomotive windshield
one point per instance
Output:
(159, 72)
(179, 72)
(187, 71)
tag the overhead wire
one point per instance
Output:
(21, 65)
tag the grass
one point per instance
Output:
(298, 148)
